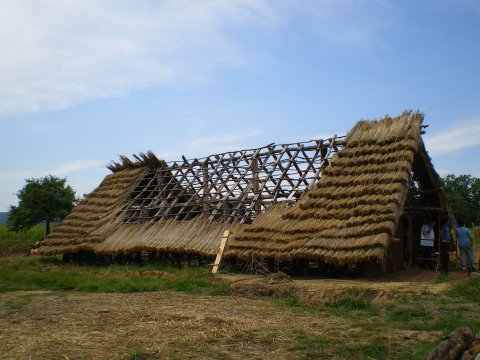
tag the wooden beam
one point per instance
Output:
(223, 243)
(234, 186)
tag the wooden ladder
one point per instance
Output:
(451, 217)
(453, 222)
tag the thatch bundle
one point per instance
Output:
(351, 214)
(147, 159)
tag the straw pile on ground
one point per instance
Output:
(351, 214)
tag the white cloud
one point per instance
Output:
(220, 143)
(12, 181)
(74, 166)
(57, 53)
(61, 170)
(464, 135)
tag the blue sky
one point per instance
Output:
(84, 81)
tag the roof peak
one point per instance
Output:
(388, 129)
(148, 159)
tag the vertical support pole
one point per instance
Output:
(439, 239)
(410, 238)
(206, 195)
(218, 259)
(256, 187)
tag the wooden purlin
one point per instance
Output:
(233, 186)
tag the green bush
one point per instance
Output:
(20, 242)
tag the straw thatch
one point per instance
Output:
(184, 206)
(147, 159)
(198, 237)
(102, 208)
(351, 214)
(348, 216)
(98, 224)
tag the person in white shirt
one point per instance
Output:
(427, 243)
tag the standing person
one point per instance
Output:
(427, 242)
(444, 246)
(465, 245)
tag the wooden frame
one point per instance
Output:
(231, 187)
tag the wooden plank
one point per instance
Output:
(218, 259)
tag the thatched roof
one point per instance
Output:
(90, 222)
(98, 223)
(184, 206)
(351, 214)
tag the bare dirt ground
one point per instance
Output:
(173, 325)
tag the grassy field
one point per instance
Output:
(195, 316)
(36, 273)
(12, 242)
(158, 312)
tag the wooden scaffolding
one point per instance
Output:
(231, 187)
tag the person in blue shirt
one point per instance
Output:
(444, 246)
(464, 237)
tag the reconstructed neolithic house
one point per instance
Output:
(351, 200)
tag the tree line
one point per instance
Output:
(463, 196)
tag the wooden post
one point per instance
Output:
(439, 256)
(206, 197)
(410, 238)
(218, 259)
(256, 187)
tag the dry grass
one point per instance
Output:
(398, 318)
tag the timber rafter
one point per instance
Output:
(233, 186)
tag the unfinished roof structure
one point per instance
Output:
(184, 206)
(351, 215)
(338, 200)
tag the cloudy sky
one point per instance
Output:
(82, 81)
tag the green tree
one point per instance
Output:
(44, 199)
(463, 196)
